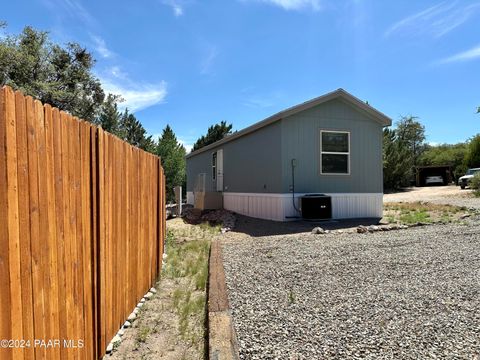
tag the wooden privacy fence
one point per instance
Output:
(82, 229)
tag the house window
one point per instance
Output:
(214, 165)
(334, 152)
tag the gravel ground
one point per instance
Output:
(407, 294)
(451, 195)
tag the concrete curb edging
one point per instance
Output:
(222, 340)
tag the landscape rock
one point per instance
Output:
(362, 229)
(132, 317)
(153, 290)
(318, 230)
(225, 218)
(127, 324)
(109, 348)
(116, 340)
(148, 295)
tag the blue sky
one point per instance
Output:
(192, 63)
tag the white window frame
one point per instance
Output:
(334, 152)
(214, 166)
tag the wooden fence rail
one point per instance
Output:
(82, 229)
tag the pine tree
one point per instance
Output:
(109, 118)
(172, 154)
(133, 132)
(214, 133)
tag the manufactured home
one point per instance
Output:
(324, 155)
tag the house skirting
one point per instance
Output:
(279, 207)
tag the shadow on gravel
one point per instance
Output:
(400, 191)
(258, 227)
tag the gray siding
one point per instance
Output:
(301, 140)
(251, 163)
(201, 163)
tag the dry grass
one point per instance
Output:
(414, 212)
(188, 248)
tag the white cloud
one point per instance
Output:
(435, 21)
(471, 54)
(209, 57)
(101, 46)
(136, 95)
(263, 100)
(118, 73)
(188, 145)
(140, 97)
(294, 4)
(258, 103)
(71, 8)
(175, 5)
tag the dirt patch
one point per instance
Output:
(155, 334)
(172, 324)
(429, 194)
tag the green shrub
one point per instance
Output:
(475, 183)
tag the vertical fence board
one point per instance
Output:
(44, 235)
(110, 236)
(39, 315)
(60, 226)
(85, 178)
(5, 301)
(24, 223)
(12, 228)
(94, 169)
(68, 235)
(54, 352)
(128, 298)
(101, 293)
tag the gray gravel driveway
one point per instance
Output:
(451, 195)
(407, 294)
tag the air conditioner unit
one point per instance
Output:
(316, 207)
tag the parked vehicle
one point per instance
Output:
(464, 181)
(434, 180)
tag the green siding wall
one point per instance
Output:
(301, 140)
